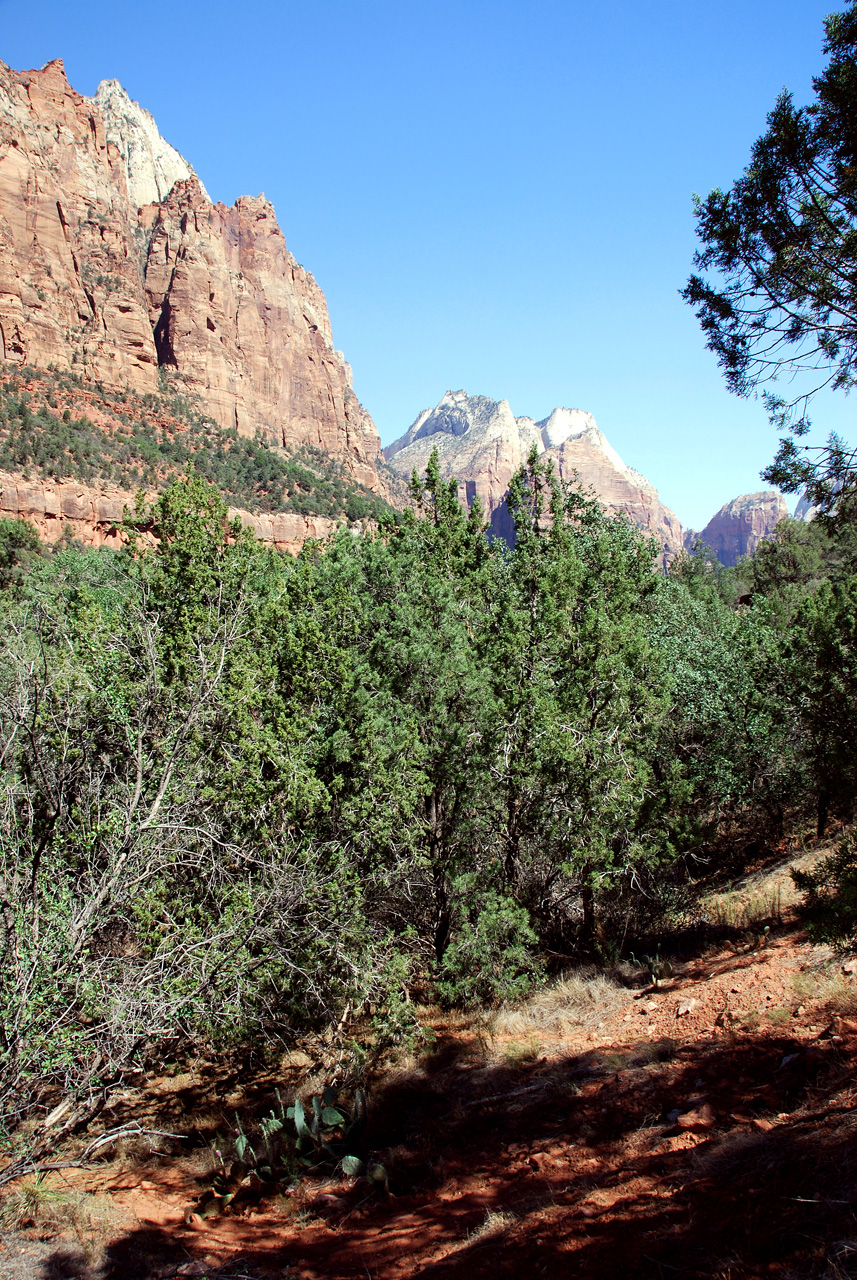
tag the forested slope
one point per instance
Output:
(246, 796)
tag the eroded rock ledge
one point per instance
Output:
(61, 508)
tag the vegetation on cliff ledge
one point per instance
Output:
(145, 442)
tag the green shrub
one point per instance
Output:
(492, 956)
(830, 888)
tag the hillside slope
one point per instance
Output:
(703, 1128)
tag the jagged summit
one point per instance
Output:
(460, 423)
(482, 444)
(153, 167)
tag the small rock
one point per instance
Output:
(850, 965)
(650, 1006)
(698, 1120)
(56, 1114)
(800, 1011)
(686, 1007)
(764, 1126)
(329, 1202)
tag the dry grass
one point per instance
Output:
(53, 1208)
(763, 896)
(579, 1000)
(745, 909)
(494, 1225)
(821, 982)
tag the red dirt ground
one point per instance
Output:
(717, 1142)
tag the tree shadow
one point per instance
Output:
(573, 1167)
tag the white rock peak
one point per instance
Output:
(562, 424)
(481, 420)
(152, 165)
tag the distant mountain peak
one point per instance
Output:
(483, 444)
(740, 525)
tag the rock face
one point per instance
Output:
(56, 508)
(739, 526)
(482, 444)
(479, 441)
(70, 262)
(115, 263)
(248, 328)
(152, 166)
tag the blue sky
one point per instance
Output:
(495, 196)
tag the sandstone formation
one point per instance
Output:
(248, 328)
(70, 264)
(59, 508)
(115, 263)
(152, 166)
(739, 526)
(482, 444)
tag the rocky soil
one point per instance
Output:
(703, 1127)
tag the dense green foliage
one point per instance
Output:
(830, 904)
(779, 296)
(246, 797)
(150, 440)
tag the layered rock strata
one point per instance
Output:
(483, 444)
(58, 509)
(97, 278)
(740, 525)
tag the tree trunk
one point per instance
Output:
(590, 930)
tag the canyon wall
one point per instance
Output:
(740, 525)
(65, 508)
(95, 280)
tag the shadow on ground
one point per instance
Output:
(572, 1167)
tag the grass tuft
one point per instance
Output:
(579, 1000)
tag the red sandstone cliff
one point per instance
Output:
(248, 328)
(60, 507)
(88, 281)
(740, 525)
